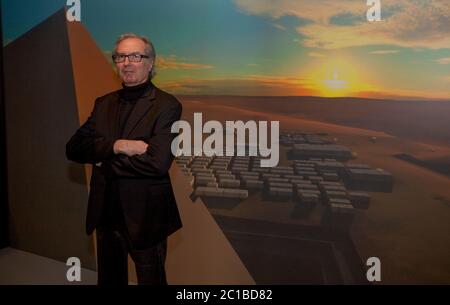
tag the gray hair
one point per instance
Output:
(149, 49)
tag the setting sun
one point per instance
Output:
(338, 77)
(335, 83)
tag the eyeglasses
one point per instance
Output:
(133, 57)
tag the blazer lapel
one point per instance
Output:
(113, 117)
(143, 105)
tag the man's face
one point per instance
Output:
(133, 73)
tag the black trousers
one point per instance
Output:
(113, 247)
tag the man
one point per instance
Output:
(127, 138)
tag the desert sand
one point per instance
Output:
(408, 228)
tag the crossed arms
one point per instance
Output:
(122, 157)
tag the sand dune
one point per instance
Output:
(421, 121)
(223, 112)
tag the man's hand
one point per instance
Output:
(130, 147)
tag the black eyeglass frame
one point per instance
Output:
(124, 56)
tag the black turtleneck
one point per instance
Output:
(130, 93)
(112, 216)
(128, 97)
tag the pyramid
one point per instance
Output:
(53, 73)
(47, 195)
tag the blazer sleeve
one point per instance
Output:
(86, 146)
(157, 159)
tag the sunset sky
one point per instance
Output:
(273, 47)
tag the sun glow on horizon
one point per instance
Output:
(338, 77)
(335, 83)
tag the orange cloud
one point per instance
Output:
(405, 95)
(257, 85)
(260, 85)
(170, 62)
(443, 61)
(423, 23)
(315, 54)
(384, 52)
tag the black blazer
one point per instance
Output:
(141, 182)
